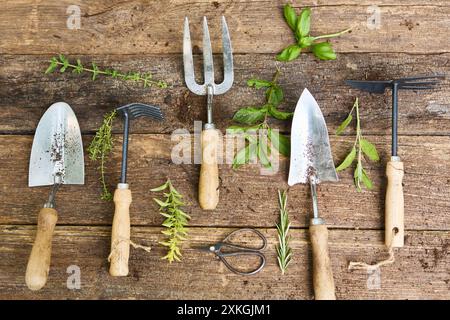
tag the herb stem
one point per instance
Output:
(332, 35)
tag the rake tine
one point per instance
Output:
(417, 88)
(228, 77)
(208, 65)
(188, 62)
(140, 113)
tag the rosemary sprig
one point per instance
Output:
(361, 147)
(283, 249)
(64, 64)
(175, 222)
(100, 148)
(256, 119)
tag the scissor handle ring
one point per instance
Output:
(243, 273)
(258, 233)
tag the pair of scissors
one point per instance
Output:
(237, 250)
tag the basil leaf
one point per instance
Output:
(258, 84)
(306, 42)
(323, 51)
(280, 115)
(369, 150)
(250, 115)
(348, 160)
(344, 124)
(290, 16)
(289, 53)
(303, 23)
(280, 142)
(274, 95)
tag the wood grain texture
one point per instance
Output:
(154, 27)
(420, 271)
(25, 92)
(247, 197)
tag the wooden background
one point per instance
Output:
(147, 36)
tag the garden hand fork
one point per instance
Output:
(208, 190)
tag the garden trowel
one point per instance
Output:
(56, 159)
(311, 162)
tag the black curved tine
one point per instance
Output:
(417, 88)
(243, 230)
(434, 76)
(419, 83)
(244, 273)
(156, 115)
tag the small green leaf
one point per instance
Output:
(366, 180)
(347, 161)
(258, 84)
(263, 153)
(290, 16)
(369, 150)
(244, 155)
(250, 115)
(160, 188)
(53, 65)
(274, 95)
(280, 115)
(306, 42)
(280, 142)
(303, 23)
(358, 175)
(323, 51)
(344, 124)
(290, 53)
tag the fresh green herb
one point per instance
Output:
(283, 249)
(64, 64)
(100, 148)
(300, 25)
(256, 119)
(360, 147)
(175, 222)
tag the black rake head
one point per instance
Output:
(136, 110)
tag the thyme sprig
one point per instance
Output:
(175, 222)
(361, 147)
(100, 148)
(284, 251)
(64, 64)
(256, 119)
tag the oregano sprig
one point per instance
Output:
(175, 222)
(64, 64)
(300, 25)
(255, 121)
(361, 147)
(100, 148)
(284, 251)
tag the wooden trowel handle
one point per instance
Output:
(39, 261)
(394, 215)
(120, 238)
(323, 281)
(208, 188)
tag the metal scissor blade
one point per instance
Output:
(57, 151)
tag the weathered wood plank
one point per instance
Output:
(130, 27)
(247, 198)
(420, 271)
(25, 92)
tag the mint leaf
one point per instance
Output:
(263, 153)
(280, 142)
(280, 115)
(323, 51)
(244, 155)
(258, 84)
(274, 95)
(366, 180)
(303, 23)
(290, 53)
(344, 124)
(348, 160)
(290, 16)
(250, 115)
(369, 150)
(306, 42)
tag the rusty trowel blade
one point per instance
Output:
(57, 151)
(311, 159)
